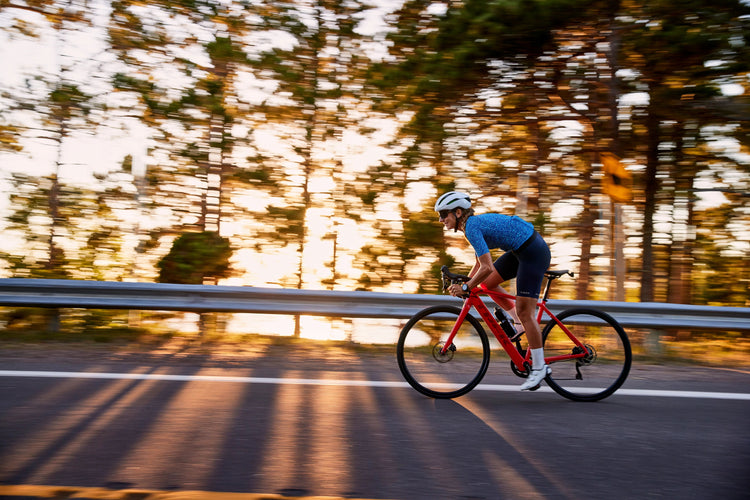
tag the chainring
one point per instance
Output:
(514, 368)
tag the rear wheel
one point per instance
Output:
(431, 371)
(607, 359)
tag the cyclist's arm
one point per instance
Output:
(483, 267)
(481, 271)
(474, 269)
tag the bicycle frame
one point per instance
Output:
(474, 300)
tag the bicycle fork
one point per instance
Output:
(457, 325)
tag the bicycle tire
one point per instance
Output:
(606, 365)
(446, 376)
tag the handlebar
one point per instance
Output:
(450, 278)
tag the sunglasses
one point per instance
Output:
(444, 213)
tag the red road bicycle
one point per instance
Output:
(444, 352)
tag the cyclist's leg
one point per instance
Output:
(504, 269)
(526, 310)
(533, 261)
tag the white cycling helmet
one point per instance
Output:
(453, 200)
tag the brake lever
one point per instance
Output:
(452, 279)
(447, 283)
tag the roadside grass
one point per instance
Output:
(724, 352)
(144, 339)
(725, 349)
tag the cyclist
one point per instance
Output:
(526, 258)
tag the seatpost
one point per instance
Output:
(546, 289)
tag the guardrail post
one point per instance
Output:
(53, 320)
(653, 344)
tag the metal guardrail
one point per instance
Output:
(20, 292)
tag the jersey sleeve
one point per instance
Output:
(474, 236)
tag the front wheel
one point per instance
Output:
(434, 370)
(606, 349)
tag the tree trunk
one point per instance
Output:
(651, 185)
(681, 255)
(585, 232)
(312, 78)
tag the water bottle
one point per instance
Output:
(505, 322)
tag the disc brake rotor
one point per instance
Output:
(443, 357)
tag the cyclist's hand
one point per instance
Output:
(457, 291)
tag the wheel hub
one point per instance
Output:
(590, 354)
(443, 357)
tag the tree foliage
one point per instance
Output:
(283, 127)
(195, 257)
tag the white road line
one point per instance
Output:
(334, 382)
(637, 392)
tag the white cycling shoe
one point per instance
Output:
(535, 378)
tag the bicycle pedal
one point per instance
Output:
(535, 387)
(516, 337)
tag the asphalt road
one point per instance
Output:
(301, 437)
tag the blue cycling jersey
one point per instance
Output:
(488, 231)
